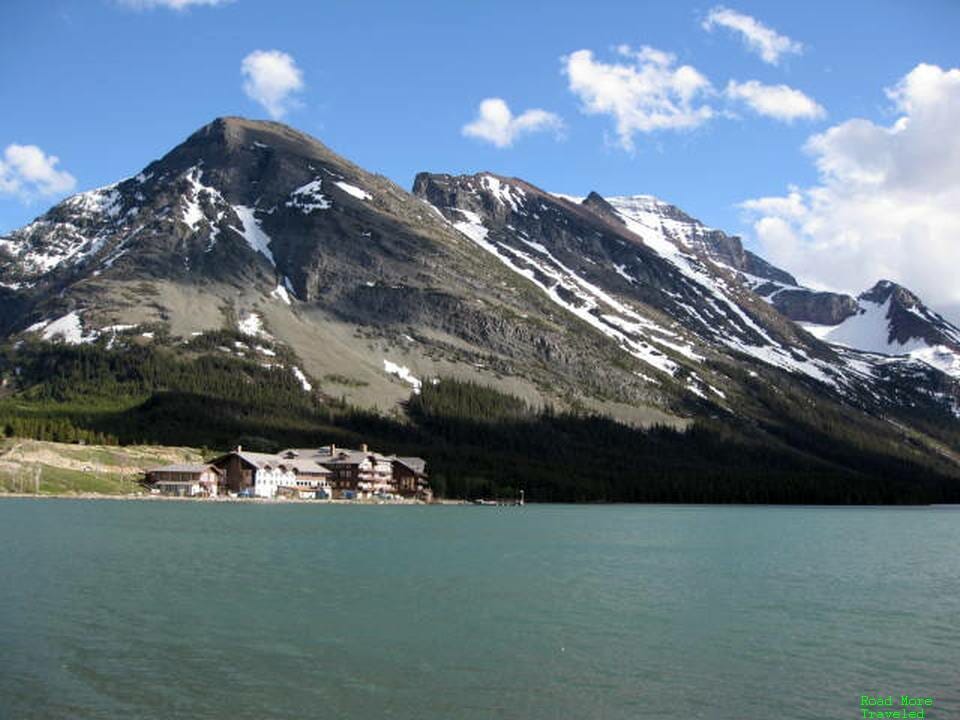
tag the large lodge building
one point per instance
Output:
(328, 473)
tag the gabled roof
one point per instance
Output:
(346, 456)
(302, 465)
(417, 465)
(256, 459)
(185, 468)
(317, 460)
(305, 461)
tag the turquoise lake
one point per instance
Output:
(112, 609)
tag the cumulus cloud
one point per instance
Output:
(780, 102)
(789, 206)
(763, 40)
(26, 171)
(272, 78)
(172, 4)
(496, 124)
(886, 202)
(644, 93)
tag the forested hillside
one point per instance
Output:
(478, 442)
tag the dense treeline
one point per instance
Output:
(590, 458)
(53, 429)
(89, 372)
(478, 442)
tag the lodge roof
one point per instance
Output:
(417, 465)
(317, 460)
(348, 457)
(185, 468)
(266, 460)
(301, 465)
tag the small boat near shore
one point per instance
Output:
(502, 502)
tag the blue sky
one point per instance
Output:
(106, 86)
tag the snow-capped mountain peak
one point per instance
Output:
(891, 320)
(625, 302)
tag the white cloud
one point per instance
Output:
(759, 38)
(886, 205)
(780, 102)
(790, 206)
(644, 94)
(26, 171)
(271, 78)
(172, 4)
(496, 124)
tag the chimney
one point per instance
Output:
(239, 448)
(363, 448)
(333, 449)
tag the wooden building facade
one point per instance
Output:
(185, 480)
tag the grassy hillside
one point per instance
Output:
(71, 468)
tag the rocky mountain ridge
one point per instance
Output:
(622, 305)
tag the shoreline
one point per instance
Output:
(445, 502)
(247, 501)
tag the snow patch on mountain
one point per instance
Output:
(505, 193)
(256, 238)
(104, 201)
(68, 329)
(309, 198)
(77, 231)
(353, 190)
(652, 221)
(250, 324)
(120, 249)
(648, 226)
(940, 357)
(280, 293)
(755, 283)
(298, 373)
(37, 326)
(193, 214)
(474, 229)
(575, 199)
(122, 327)
(402, 372)
(870, 331)
(564, 287)
(621, 270)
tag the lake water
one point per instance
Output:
(166, 610)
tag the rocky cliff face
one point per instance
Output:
(803, 305)
(621, 304)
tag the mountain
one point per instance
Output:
(887, 319)
(255, 226)
(589, 257)
(891, 320)
(255, 242)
